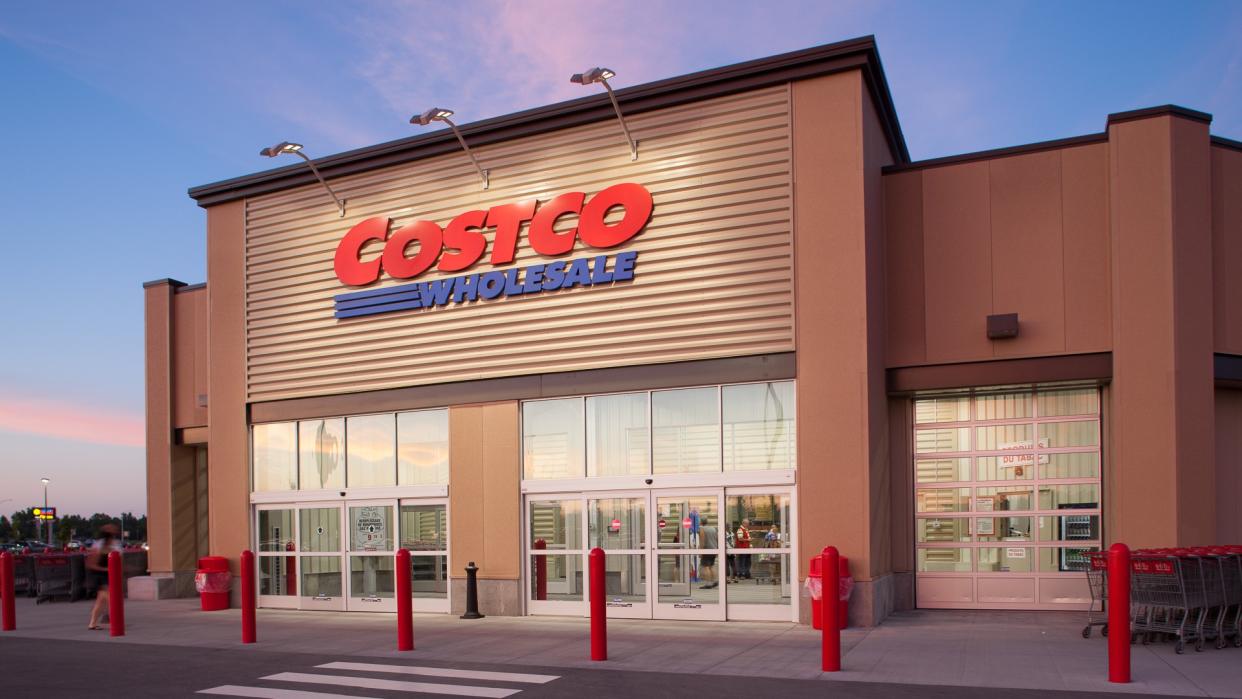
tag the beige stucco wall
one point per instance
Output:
(712, 277)
(1227, 247)
(484, 496)
(1025, 234)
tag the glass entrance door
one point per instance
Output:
(372, 580)
(424, 533)
(618, 525)
(687, 551)
(319, 581)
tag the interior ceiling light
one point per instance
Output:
(601, 76)
(296, 149)
(438, 114)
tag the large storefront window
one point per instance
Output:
(1006, 497)
(369, 451)
(713, 429)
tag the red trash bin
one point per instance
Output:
(843, 594)
(212, 580)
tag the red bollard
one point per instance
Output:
(405, 602)
(248, 597)
(541, 571)
(599, 612)
(830, 648)
(1119, 613)
(6, 592)
(116, 595)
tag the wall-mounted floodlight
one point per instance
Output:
(601, 76)
(296, 149)
(438, 114)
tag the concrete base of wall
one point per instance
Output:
(903, 598)
(496, 597)
(161, 586)
(872, 601)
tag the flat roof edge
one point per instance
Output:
(1226, 143)
(860, 54)
(1161, 110)
(993, 153)
(160, 282)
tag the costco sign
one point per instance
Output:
(462, 243)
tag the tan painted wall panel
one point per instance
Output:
(903, 249)
(485, 497)
(957, 257)
(189, 357)
(1228, 466)
(713, 276)
(1088, 299)
(1227, 248)
(158, 302)
(1027, 274)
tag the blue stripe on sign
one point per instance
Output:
(377, 308)
(369, 293)
(409, 294)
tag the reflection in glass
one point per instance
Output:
(928, 441)
(1001, 499)
(685, 431)
(276, 530)
(941, 470)
(370, 528)
(681, 585)
(1054, 497)
(558, 578)
(553, 440)
(1070, 528)
(370, 445)
(1003, 406)
(687, 522)
(625, 579)
(944, 409)
(1003, 529)
(1007, 559)
(1069, 434)
(618, 523)
(321, 576)
(558, 523)
(429, 577)
(943, 560)
(424, 528)
(1076, 465)
(768, 582)
(942, 500)
(1065, 560)
(617, 435)
(422, 448)
(320, 529)
(278, 575)
(1003, 437)
(759, 426)
(321, 453)
(275, 456)
(942, 530)
(764, 516)
(371, 577)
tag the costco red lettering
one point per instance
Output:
(462, 242)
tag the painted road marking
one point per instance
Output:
(233, 690)
(460, 690)
(442, 672)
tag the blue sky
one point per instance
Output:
(110, 111)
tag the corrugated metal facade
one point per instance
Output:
(713, 277)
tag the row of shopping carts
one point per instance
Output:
(1190, 595)
(51, 576)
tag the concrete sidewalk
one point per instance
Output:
(1027, 650)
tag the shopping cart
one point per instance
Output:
(1097, 580)
(1224, 591)
(1166, 596)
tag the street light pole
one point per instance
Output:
(47, 528)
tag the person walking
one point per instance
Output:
(97, 569)
(743, 542)
(707, 561)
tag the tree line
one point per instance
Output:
(23, 525)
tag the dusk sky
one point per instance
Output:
(110, 111)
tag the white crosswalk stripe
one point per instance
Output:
(441, 672)
(461, 690)
(232, 690)
(365, 682)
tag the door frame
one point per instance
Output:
(369, 604)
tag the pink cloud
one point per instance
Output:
(74, 422)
